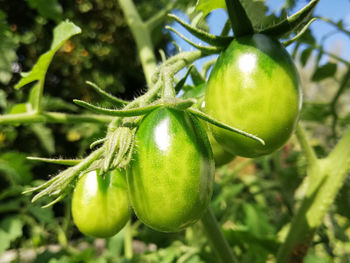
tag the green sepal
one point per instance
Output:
(222, 125)
(300, 33)
(176, 103)
(240, 21)
(104, 94)
(204, 49)
(55, 161)
(202, 35)
(182, 81)
(291, 23)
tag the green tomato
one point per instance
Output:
(171, 176)
(254, 86)
(100, 203)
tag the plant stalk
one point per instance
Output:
(142, 36)
(325, 178)
(216, 238)
(52, 117)
(128, 253)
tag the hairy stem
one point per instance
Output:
(325, 177)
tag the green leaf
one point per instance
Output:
(44, 216)
(314, 259)
(256, 221)
(3, 96)
(241, 235)
(61, 33)
(21, 108)
(315, 112)
(10, 230)
(256, 11)
(50, 9)
(44, 136)
(206, 6)
(8, 48)
(15, 167)
(305, 55)
(325, 71)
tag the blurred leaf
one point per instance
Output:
(315, 112)
(55, 104)
(196, 92)
(61, 34)
(314, 259)
(256, 10)
(241, 235)
(10, 206)
(45, 137)
(206, 6)
(8, 48)
(304, 57)
(10, 230)
(15, 167)
(47, 8)
(343, 200)
(325, 71)
(307, 38)
(3, 96)
(44, 216)
(21, 108)
(256, 221)
(115, 244)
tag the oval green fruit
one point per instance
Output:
(254, 86)
(170, 179)
(100, 203)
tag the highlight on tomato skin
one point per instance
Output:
(171, 176)
(100, 206)
(254, 86)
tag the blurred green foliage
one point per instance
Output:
(254, 200)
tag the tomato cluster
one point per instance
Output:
(254, 86)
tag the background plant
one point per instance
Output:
(249, 196)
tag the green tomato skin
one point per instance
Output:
(170, 179)
(221, 156)
(254, 86)
(100, 205)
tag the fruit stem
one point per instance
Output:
(128, 241)
(216, 238)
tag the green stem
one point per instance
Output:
(325, 177)
(304, 144)
(340, 28)
(217, 240)
(333, 104)
(38, 94)
(52, 117)
(142, 36)
(128, 253)
(159, 17)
